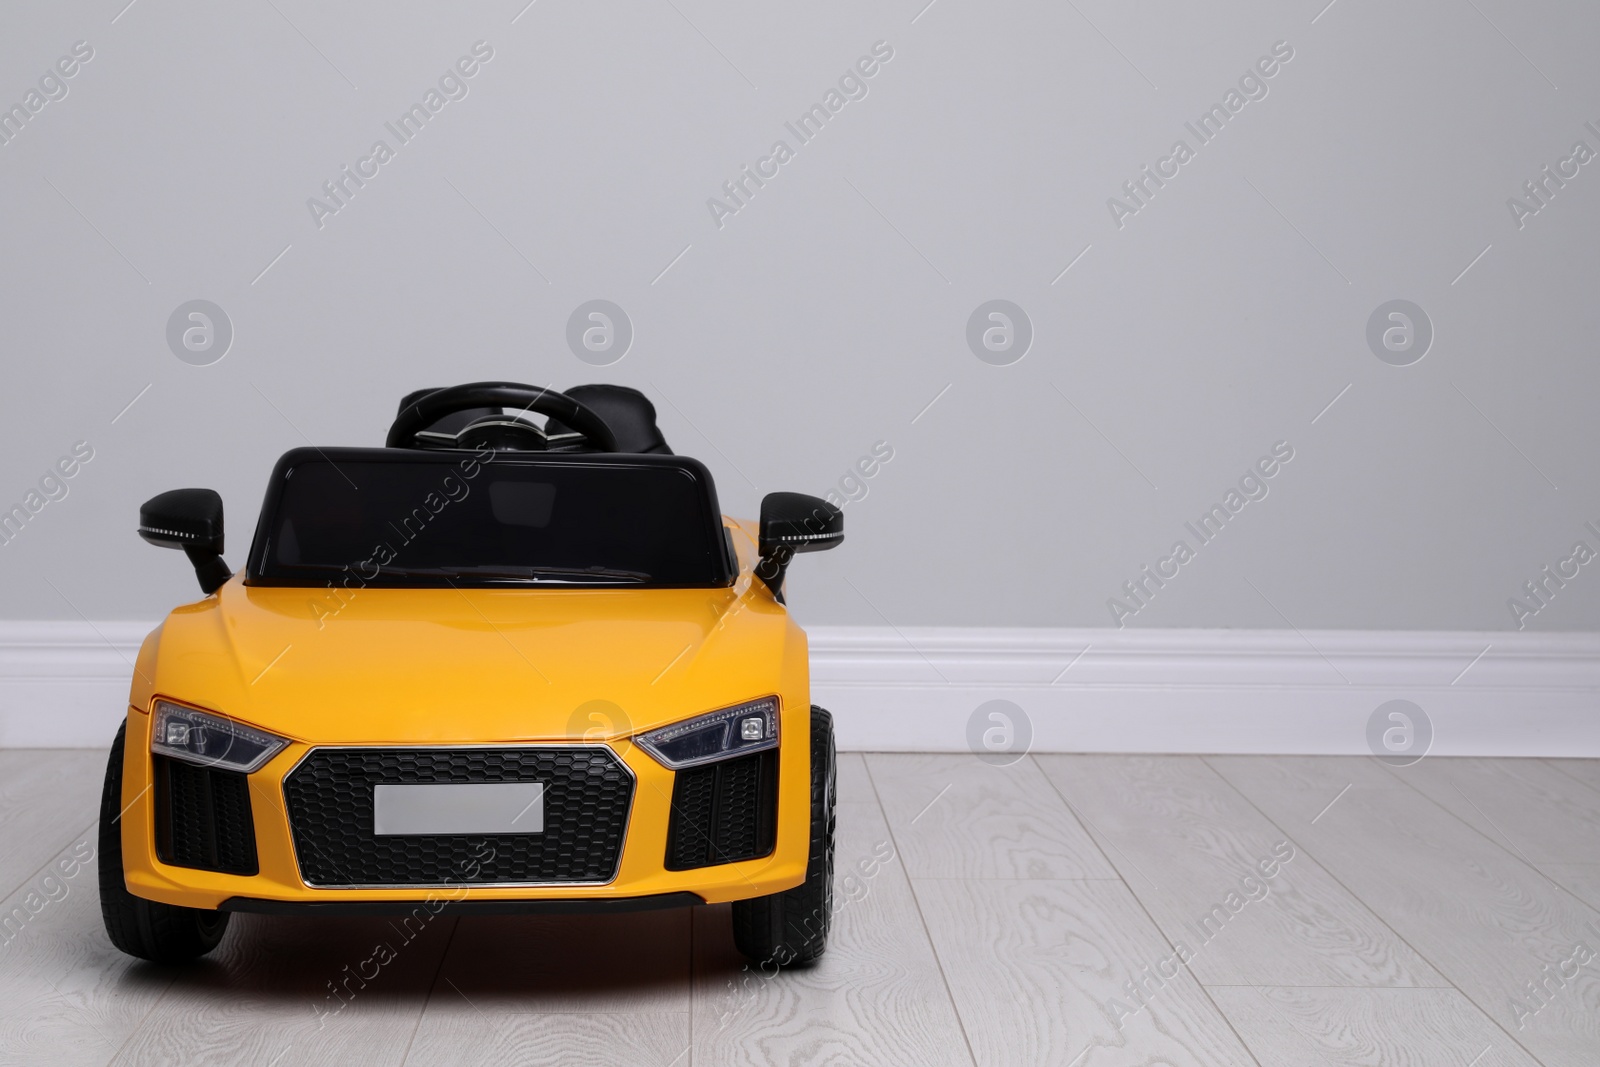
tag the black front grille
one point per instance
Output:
(723, 812)
(587, 793)
(203, 818)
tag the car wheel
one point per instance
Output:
(162, 933)
(791, 927)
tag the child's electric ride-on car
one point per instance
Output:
(492, 667)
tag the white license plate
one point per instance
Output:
(458, 808)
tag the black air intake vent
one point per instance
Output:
(724, 812)
(203, 818)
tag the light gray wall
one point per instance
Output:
(824, 316)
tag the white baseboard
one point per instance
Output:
(1222, 691)
(65, 684)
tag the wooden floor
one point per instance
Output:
(1075, 911)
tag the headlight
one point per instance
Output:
(734, 731)
(210, 740)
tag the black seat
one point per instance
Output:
(628, 412)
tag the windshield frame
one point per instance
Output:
(724, 569)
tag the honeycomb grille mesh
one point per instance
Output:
(723, 812)
(587, 793)
(203, 818)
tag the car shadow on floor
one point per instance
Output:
(523, 964)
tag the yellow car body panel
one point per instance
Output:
(419, 667)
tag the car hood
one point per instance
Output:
(469, 665)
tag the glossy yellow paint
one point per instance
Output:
(399, 667)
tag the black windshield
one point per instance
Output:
(400, 518)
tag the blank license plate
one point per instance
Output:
(458, 808)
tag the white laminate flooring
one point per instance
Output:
(1071, 911)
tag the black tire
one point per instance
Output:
(161, 933)
(791, 928)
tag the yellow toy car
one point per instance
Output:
(491, 667)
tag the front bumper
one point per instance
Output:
(642, 877)
(565, 906)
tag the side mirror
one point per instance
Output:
(790, 523)
(190, 519)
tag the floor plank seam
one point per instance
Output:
(1511, 852)
(81, 835)
(1008, 878)
(933, 946)
(1490, 1018)
(423, 1011)
(1084, 824)
(1569, 776)
(1296, 985)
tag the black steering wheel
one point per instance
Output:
(429, 409)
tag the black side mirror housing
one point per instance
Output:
(790, 523)
(190, 519)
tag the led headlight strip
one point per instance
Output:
(210, 740)
(735, 731)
